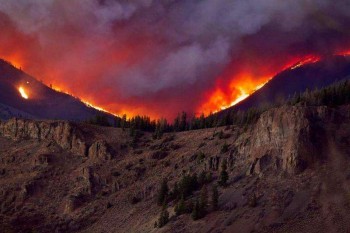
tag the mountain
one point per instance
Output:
(43, 102)
(287, 172)
(310, 76)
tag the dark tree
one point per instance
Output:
(203, 200)
(180, 207)
(196, 211)
(163, 192)
(215, 197)
(223, 175)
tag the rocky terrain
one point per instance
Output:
(57, 176)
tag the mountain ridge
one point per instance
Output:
(292, 81)
(43, 102)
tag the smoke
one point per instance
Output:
(161, 57)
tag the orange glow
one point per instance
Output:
(344, 53)
(309, 60)
(23, 93)
(14, 60)
(87, 103)
(243, 84)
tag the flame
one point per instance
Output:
(343, 53)
(309, 60)
(244, 84)
(23, 93)
(86, 102)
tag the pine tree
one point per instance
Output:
(180, 207)
(163, 192)
(203, 201)
(223, 175)
(183, 122)
(175, 194)
(215, 197)
(196, 211)
(123, 122)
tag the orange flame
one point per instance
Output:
(23, 93)
(309, 60)
(87, 103)
(244, 84)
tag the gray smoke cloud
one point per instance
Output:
(153, 53)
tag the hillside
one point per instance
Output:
(310, 76)
(43, 102)
(288, 172)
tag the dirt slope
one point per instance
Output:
(65, 177)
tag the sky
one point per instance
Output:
(161, 57)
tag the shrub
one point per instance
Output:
(134, 200)
(159, 154)
(175, 146)
(224, 148)
(163, 218)
(220, 135)
(169, 138)
(252, 202)
(138, 152)
(200, 156)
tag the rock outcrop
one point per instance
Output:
(284, 138)
(66, 134)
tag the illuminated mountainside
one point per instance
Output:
(23, 96)
(297, 79)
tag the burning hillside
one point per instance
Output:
(23, 96)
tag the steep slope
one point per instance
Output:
(43, 102)
(310, 76)
(59, 176)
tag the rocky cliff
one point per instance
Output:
(65, 134)
(290, 138)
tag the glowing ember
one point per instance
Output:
(23, 93)
(305, 61)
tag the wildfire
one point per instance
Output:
(305, 61)
(23, 93)
(238, 84)
(87, 103)
(97, 107)
(343, 53)
(244, 84)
